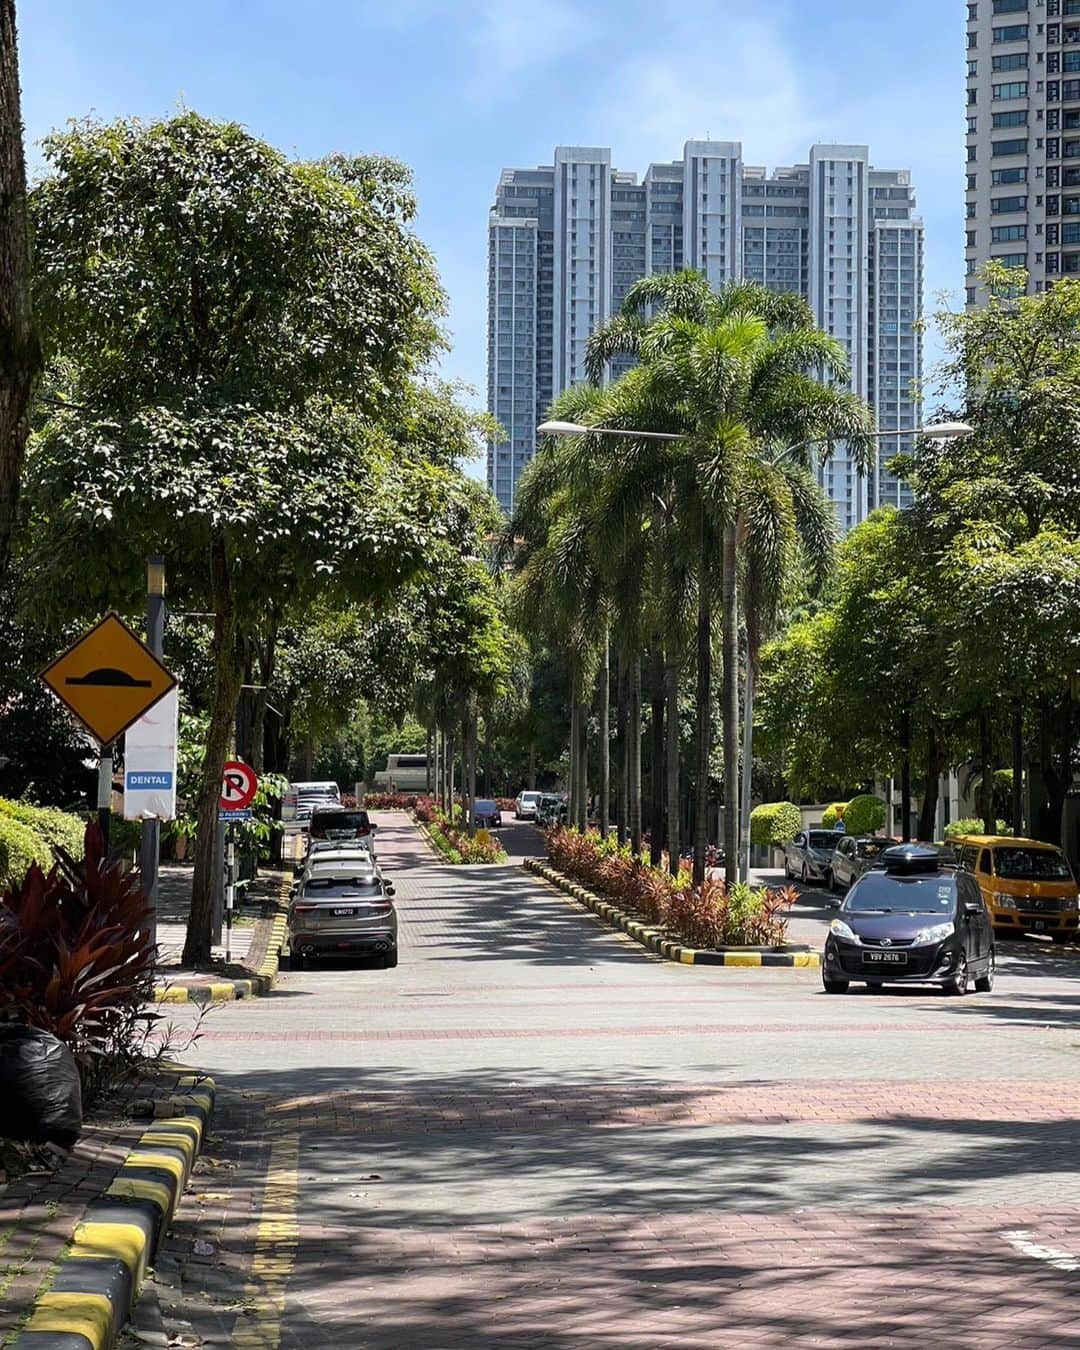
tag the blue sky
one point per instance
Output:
(459, 90)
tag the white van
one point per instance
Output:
(301, 798)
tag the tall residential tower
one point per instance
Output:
(1023, 138)
(567, 241)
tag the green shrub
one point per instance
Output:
(19, 847)
(773, 824)
(864, 815)
(833, 813)
(51, 825)
(972, 825)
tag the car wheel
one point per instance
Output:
(830, 881)
(958, 984)
(787, 871)
(390, 960)
(835, 986)
(805, 875)
(985, 983)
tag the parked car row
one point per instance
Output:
(1027, 886)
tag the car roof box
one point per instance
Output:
(910, 858)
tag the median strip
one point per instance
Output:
(655, 940)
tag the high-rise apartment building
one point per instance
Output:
(1023, 138)
(567, 241)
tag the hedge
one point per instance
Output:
(50, 824)
(773, 824)
(832, 814)
(19, 847)
(972, 825)
(864, 815)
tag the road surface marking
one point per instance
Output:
(1021, 1239)
(275, 1251)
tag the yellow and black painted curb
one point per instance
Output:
(654, 939)
(260, 981)
(99, 1279)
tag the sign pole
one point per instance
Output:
(150, 840)
(230, 890)
(104, 793)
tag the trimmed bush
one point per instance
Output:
(20, 847)
(774, 824)
(390, 801)
(864, 815)
(972, 825)
(55, 828)
(833, 814)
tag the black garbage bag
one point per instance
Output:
(40, 1091)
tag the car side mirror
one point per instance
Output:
(833, 903)
(373, 826)
(293, 891)
(391, 890)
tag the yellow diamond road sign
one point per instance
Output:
(108, 679)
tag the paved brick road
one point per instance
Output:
(532, 1134)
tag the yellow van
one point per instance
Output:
(1028, 886)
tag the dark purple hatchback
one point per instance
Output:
(915, 922)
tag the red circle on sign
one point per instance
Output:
(238, 786)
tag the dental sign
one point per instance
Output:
(150, 763)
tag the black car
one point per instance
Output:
(914, 922)
(340, 823)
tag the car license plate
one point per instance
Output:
(885, 958)
(343, 913)
(1039, 925)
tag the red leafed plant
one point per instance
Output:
(76, 957)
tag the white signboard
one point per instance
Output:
(150, 762)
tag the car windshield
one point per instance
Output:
(823, 839)
(871, 848)
(881, 893)
(485, 807)
(1031, 864)
(530, 796)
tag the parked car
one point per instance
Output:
(809, 855)
(300, 800)
(486, 814)
(337, 823)
(853, 856)
(548, 808)
(326, 854)
(916, 921)
(526, 804)
(1028, 886)
(343, 909)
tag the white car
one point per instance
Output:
(526, 804)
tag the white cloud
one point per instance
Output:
(512, 38)
(730, 79)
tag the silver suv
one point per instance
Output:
(342, 907)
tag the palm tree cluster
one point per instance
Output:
(647, 548)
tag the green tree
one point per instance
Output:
(236, 330)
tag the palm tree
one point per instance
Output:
(730, 371)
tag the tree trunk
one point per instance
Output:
(450, 751)
(656, 754)
(703, 717)
(1018, 767)
(905, 775)
(986, 754)
(622, 808)
(605, 735)
(671, 732)
(747, 771)
(267, 653)
(730, 602)
(227, 678)
(583, 767)
(430, 750)
(633, 748)
(530, 777)
(20, 350)
(468, 764)
(572, 768)
(935, 765)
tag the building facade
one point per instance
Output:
(1023, 139)
(567, 241)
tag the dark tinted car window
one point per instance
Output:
(930, 894)
(339, 820)
(984, 861)
(485, 807)
(1031, 864)
(824, 839)
(320, 886)
(871, 848)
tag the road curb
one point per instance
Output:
(260, 981)
(100, 1276)
(655, 941)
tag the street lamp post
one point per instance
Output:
(934, 431)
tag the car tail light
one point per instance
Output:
(304, 909)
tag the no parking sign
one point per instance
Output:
(239, 785)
